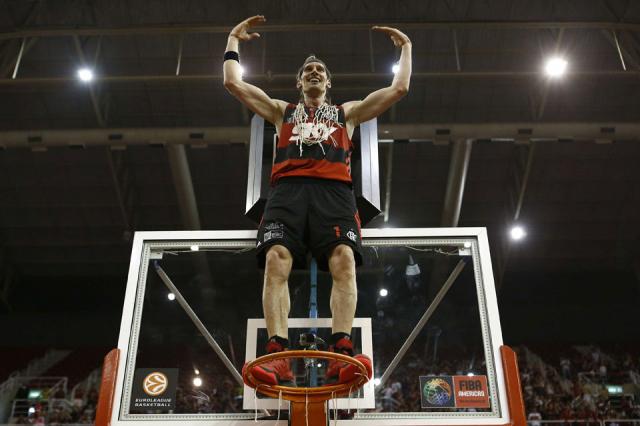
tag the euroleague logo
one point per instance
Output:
(155, 384)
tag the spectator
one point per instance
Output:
(534, 418)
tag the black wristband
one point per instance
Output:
(230, 54)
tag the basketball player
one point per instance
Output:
(311, 206)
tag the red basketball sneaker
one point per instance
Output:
(276, 372)
(342, 372)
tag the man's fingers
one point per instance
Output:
(382, 29)
(240, 30)
(398, 37)
(255, 20)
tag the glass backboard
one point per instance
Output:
(427, 316)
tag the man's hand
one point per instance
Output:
(398, 37)
(377, 102)
(240, 31)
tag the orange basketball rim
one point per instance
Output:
(308, 404)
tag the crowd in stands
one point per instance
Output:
(575, 387)
(570, 385)
(402, 392)
(60, 409)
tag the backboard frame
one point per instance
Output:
(141, 253)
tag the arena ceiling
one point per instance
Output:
(482, 139)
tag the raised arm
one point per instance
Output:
(376, 103)
(253, 97)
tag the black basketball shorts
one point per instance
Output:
(310, 215)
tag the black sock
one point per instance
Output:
(280, 340)
(337, 336)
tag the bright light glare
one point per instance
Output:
(395, 68)
(195, 248)
(85, 74)
(197, 382)
(518, 233)
(197, 371)
(241, 70)
(384, 292)
(555, 67)
(32, 410)
(171, 296)
(319, 365)
(467, 244)
(376, 382)
(470, 374)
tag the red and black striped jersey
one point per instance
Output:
(325, 155)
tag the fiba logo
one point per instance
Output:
(155, 384)
(437, 391)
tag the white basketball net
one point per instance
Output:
(317, 130)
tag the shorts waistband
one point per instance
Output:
(315, 181)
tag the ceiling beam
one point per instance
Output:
(29, 83)
(388, 182)
(11, 64)
(405, 26)
(625, 54)
(524, 132)
(184, 186)
(188, 206)
(458, 166)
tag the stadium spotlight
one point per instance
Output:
(395, 68)
(197, 382)
(555, 67)
(384, 292)
(197, 372)
(85, 74)
(517, 233)
(171, 296)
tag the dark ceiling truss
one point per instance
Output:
(621, 35)
(371, 78)
(206, 29)
(521, 133)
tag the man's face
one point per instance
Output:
(313, 80)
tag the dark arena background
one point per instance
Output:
(114, 119)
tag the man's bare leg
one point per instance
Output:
(276, 304)
(344, 297)
(275, 294)
(344, 293)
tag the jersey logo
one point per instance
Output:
(311, 132)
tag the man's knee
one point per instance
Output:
(278, 261)
(342, 263)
